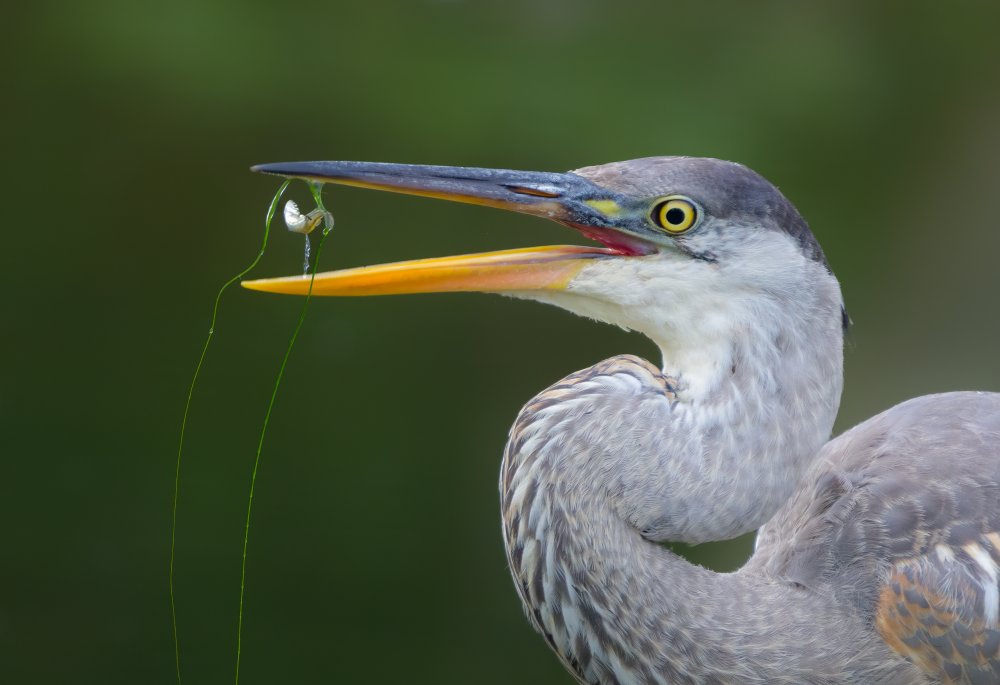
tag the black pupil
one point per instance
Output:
(675, 216)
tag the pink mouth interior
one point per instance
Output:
(618, 243)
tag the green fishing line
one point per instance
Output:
(187, 409)
(316, 189)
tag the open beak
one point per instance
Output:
(564, 197)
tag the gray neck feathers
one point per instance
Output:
(618, 608)
(616, 456)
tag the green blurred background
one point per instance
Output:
(375, 554)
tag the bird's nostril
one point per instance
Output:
(536, 192)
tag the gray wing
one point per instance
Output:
(900, 519)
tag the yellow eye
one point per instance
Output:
(675, 214)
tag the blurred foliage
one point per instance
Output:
(375, 555)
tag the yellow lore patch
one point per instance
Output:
(605, 207)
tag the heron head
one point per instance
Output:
(692, 249)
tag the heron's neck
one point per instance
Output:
(597, 466)
(757, 376)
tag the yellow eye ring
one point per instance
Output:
(675, 214)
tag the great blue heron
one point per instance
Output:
(879, 555)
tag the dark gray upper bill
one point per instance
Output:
(502, 185)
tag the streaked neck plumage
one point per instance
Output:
(614, 606)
